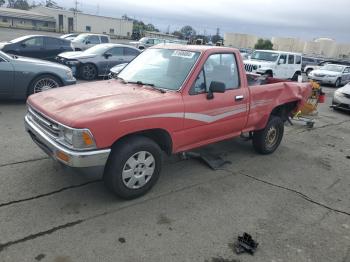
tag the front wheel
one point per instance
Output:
(267, 140)
(338, 83)
(133, 167)
(43, 83)
(88, 72)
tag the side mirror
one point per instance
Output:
(23, 45)
(281, 61)
(216, 87)
(87, 42)
(107, 55)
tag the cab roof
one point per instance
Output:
(196, 48)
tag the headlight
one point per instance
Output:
(77, 138)
(72, 62)
(339, 94)
(69, 75)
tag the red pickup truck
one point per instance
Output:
(171, 99)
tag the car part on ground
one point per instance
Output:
(37, 46)
(245, 244)
(22, 76)
(98, 60)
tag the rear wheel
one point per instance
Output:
(43, 83)
(88, 72)
(295, 76)
(267, 140)
(308, 71)
(133, 167)
(338, 83)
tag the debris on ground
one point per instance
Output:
(122, 240)
(213, 161)
(245, 244)
(221, 259)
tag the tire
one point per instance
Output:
(308, 72)
(295, 76)
(42, 83)
(125, 174)
(88, 72)
(337, 83)
(268, 74)
(263, 142)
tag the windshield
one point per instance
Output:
(80, 38)
(6, 56)
(143, 40)
(97, 50)
(334, 68)
(19, 39)
(162, 68)
(265, 56)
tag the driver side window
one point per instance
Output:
(218, 68)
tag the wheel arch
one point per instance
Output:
(160, 136)
(283, 111)
(34, 77)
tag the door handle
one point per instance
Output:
(239, 98)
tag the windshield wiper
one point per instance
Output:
(147, 84)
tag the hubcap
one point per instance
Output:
(89, 72)
(271, 137)
(45, 84)
(138, 170)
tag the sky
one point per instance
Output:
(304, 19)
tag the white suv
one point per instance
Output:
(278, 64)
(85, 41)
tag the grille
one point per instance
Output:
(49, 127)
(250, 67)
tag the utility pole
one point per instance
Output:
(217, 31)
(75, 14)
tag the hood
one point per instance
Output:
(76, 55)
(39, 62)
(258, 62)
(345, 89)
(76, 105)
(325, 72)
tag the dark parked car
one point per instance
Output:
(37, 46)
(23, 76)
(97, 60)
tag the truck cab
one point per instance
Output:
(283, 65)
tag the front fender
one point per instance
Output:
(263, 70)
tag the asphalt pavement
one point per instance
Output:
(295, 202)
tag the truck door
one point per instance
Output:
(281, 70)
(291, 66)
(226, 113)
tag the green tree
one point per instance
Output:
(52, 4)
(2, 2)
(188, 32)
(216, 38)
(264, 44)
(18, 4)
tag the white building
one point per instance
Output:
(69, 21)
(288, 44)
(240, 40)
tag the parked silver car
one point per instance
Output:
(97, 60)
(22, 76)
(341, 98)
(85, 41)
(333, 74)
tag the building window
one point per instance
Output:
(4, 20)
(46, 24)
(111, 31)
(88, 28)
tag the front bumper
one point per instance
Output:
(341, 103)
(69, 82)
(62, 154)
(324, 80)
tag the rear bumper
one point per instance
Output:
(56, 151)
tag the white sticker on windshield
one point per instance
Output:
(183, 54)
